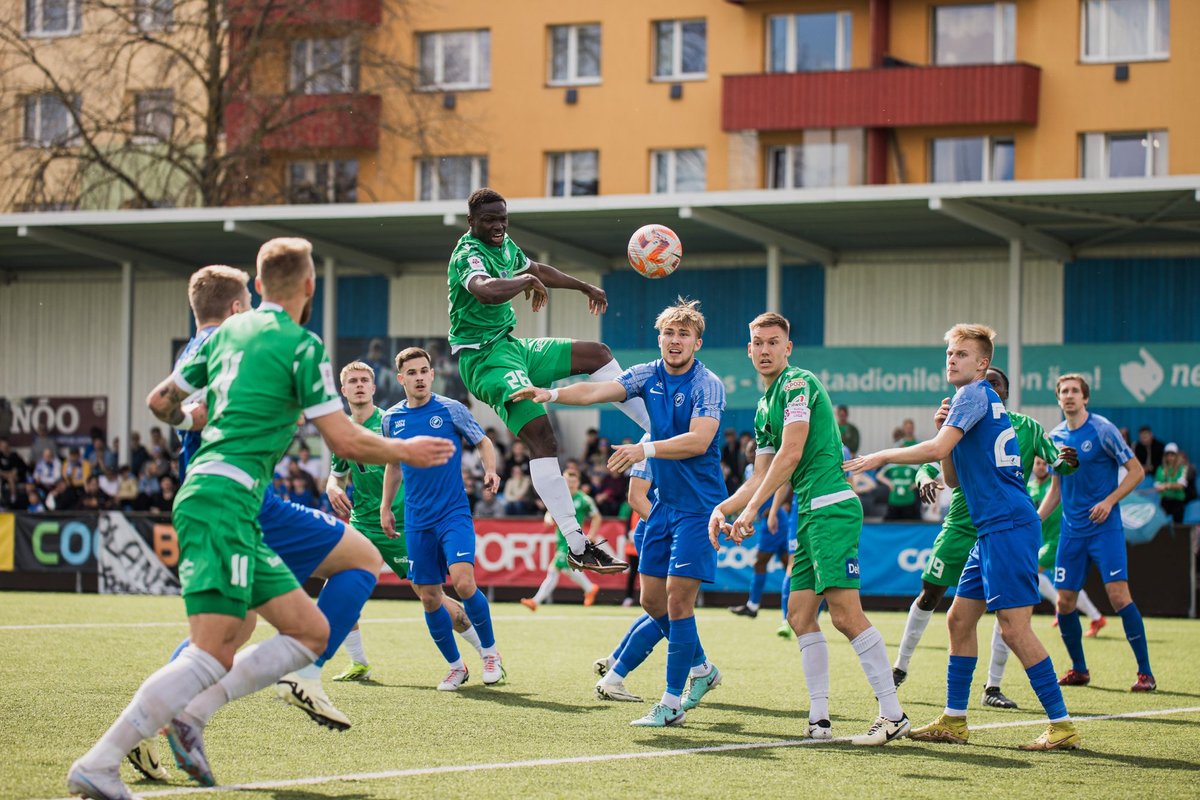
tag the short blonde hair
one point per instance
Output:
(283, 264)
(357, 366)
(212, 290)
(974, 332)
(685, 313)
(770, 319)
(1074, 376)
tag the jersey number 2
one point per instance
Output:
(1003, 459)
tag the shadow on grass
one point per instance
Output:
(505, 697)
(301, 794)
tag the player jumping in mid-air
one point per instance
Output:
(799, 444)
(977, 447)
(585, 511)
(1091, 532)
(440, 531)
(487, 270)
(685, 401)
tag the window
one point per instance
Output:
(680, 49)
(324, 66)
(677, 171)
(826, 158)
(976, 34)
(1126, 30)
(574, 54)
(154, 115)
(323, 182)
(808, 42)
(977, 158)
(456, 60)
(1124, 155)
(573, 174)
(154, 15)
(53, 17)
(450, 177)
(49, 121)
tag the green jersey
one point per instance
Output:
(474, 324)
(260, 371)
(1166, 475)
(368, 485)
(585, 507)
(1038, 490)
(1032, 440)
(797, 396)
(904, 483)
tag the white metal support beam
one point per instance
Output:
(98, 248)
(329, 328)
(124, 415)
(774, 279)
(1002, 227)
(542, 318)
(547, 246)
(345, 254)
(764, 235)
(1016, 269)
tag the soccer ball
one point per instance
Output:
(655, 251)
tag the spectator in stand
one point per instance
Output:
(472, 462)
(63, 497)
(75, 470)
(901, 482)
(278, 486)
(908, 433)
(489, 504)
(93, 499)
(611, 493)
(110, 484)
(33, 500)
(148, 480)
(160, 460)
(591, 444)
(127, 488)
(300, 493)
(138, 454)
(43, 441)
(309, 464)
(1125, 435)
(164, 501)
(733, 457)
(158, 440)
(13, 471)
(1148, 450)
(850, 436)
(519, 456)
(48, 470)
(516, 490)
(1170, 481)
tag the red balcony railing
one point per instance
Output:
(305, 122)
(248, 13)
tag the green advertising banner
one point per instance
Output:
(1120, 375)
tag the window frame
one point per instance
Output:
(568, 157)
(479, 65)
(844, 43)
(349, 72)
(74, 136)
(74, 19)
(479, 169)
(330, 188)
(989, 157)
(1159, 137)
(573, 78)
(143, 135)
(1151, 25)
(147, 19)
(673, 168)
(999, 51)
(677, 75)
(853, 177)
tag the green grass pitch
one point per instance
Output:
(71, 662)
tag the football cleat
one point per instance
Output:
(1058, 736)
(882, 731)
(97, 784)
(744, 611)
(898, 676)
(660, 716)
(1075, 678)
(354, 672)
(821, 729)
(615, 691)
(493, 670)
(595, 559)
(784, 631)
(185, 734)
(456, 678)
(145, 760)
(1094, 629)
(950, 730)
(309, 696)
(589, 597)
(992, 696)
(529, 603)
(1145, 683)
(700, 686)
(602, 665)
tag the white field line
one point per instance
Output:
(377, 620)
(593, 759)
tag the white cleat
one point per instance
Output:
(493, 670)
(185, 734)
(602, 665)
(615, 691)
(97, 784)
(309, 696)
(882, 731)
(821, 729)
(145, 760)
(457, 677)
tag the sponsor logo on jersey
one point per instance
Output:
(852, 568)
(795, 383)
(796, 412)
(476, 262)
(679, 399)
(397, 426)
(327, 377)
(435, 422)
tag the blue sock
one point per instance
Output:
(1135, 632)
(1072, 636)
(822, 607)
(698, 657)
(179, 649)
(625, 639)
(785, 593)
(441, 628)
(757, 584)
(342, 601)
(1045, 686)
(640, 642)
(959, 672)
(480, 615)
(664, 625)
(681, 644)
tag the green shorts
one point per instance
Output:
(394, 551)
(497, 370)
(224, 567)
(827, 547)
(1048, 554)
(949, 555)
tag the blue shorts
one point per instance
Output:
(1075, 554)
(300, 535)
(676, 543)
(636, 535)
(1002, 569)
(431, 551)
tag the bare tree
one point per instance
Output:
(143, 103)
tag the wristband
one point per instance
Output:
(187, 423)
(1058, 462)
(648, 449)
(553, 396)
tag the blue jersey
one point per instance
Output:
(1101, 450)
(988, 462)
(694, 484)
(432, 494)
(189, 441)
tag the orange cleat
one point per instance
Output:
(589, 597)
(1094, 629)
(529, 603)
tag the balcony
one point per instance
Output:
(249, 13)
(895, 97)
(305, 122)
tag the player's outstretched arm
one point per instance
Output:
(355, 443)
(935, 449)
(556, 279)
(585, 393)
(166, 403)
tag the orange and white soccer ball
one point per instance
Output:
(655, 251)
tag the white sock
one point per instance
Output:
(635, 407)
(872, 655)
(161, 697)
(999, 657)
(914, 629)
(546, 590)
(551, 486)
(611, 678)
(814, 657)
(458, 664)
(261, 667)
(354, 646)
(490, 651)
(1085, 604)
(580, 580)
(311, 672)
(701, 670)
(1046, 588)
(472, 638)
(669, 700)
